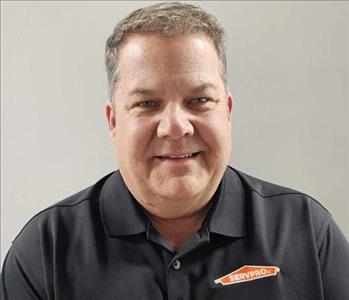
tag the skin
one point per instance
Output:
(171, 100)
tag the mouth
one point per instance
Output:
(181, 157)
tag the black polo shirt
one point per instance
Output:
(258, 241)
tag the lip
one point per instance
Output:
(178, 157)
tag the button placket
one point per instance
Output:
(177, 285)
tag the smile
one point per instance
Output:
(178, 157)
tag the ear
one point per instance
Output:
(110, 115)
(230, 105)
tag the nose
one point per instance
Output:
(174, 123)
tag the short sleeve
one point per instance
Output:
(334, 261)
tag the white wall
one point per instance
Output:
(288, 69)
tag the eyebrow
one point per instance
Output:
(141, 91)
(198, 89)
(204, 86)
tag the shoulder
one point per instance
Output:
(66, 217)
(267, 190)
(278, 204)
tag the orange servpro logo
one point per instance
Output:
(248, 273)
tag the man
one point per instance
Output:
(175, 222)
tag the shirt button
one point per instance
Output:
(176, 265)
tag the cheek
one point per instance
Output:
(215, 130)
(133, 138)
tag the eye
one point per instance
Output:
(199, 100)
(147, 104)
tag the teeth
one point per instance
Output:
(177, 157)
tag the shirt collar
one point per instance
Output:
(123, 215)
(227, 215)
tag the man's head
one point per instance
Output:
(171, 120)
(168, 19)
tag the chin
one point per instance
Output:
(180, 189)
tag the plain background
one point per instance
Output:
(288, 71)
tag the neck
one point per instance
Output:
(176, 231)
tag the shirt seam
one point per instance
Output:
(21, 261)
(322, 232)
(49, 208)
(249, 188)
(287, 193)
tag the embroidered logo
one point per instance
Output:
(248, 273)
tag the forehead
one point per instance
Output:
(149, 59)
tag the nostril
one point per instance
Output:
(175, 131)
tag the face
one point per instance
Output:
(171, 124)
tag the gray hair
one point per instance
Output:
(167, 19)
